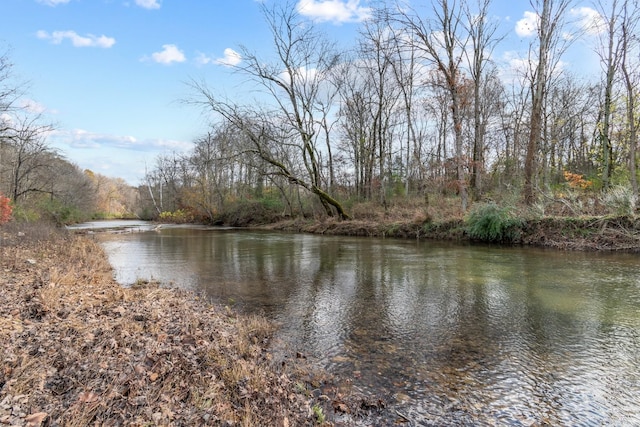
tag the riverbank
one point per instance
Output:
(620, 233)
(78, 349)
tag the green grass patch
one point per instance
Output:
(488, 222)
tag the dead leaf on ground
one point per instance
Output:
(341, 407)
(87, 397)
(35, 419)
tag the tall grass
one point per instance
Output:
(488, 222)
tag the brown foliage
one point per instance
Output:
(577, 181)
(5, 209)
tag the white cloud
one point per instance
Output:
(337, 11)
(6, 119)
(77, 40)
(80, 138)
(203, 59)
(121, 156)
(519, 68)
(301, 75)
(517, 64)
(53, 2)
(230, 58)
(148, 4)
(32, 106)
(170, 53)
(589, 20)
(528, 25)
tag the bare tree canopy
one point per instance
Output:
(551, 44)
(442, 41)
(423, 104)
(295, 84)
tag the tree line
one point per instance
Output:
(419, 105)
(37, 179)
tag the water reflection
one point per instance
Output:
(116, 224)
(453, 334)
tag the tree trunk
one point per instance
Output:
(538, 93)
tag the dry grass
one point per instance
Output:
(80, 350)
(440, 208)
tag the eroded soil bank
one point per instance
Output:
(587, 234)
(78, 349)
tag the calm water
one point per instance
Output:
(447, 334)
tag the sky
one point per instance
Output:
(110, 74)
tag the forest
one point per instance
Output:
(416, 116)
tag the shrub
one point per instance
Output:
(243, 213)
(620, 200)
(176, 217)
(488, 222)
(61, 213)
(25, 214)
(575, 180)
(5, 209)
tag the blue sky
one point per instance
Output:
(110, 73)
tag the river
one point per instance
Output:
(446, 334)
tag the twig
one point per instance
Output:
(404, 417)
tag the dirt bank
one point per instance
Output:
(586, 234)
(80, 350)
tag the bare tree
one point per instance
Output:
(295, 82)
(442, 41)
(376, 56)
(551, 45)
(482, 32)
(73, 189)
(10, 91)
(610, 51)
(631, 73)
(356, 123)
(29, 159)
(402, 57)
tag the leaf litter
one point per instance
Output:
(79, 349)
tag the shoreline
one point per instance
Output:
(599, 233)
(604, 234)
(80, 349)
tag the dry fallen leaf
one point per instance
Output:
(87, 397)
(341, 407)
(35, 419)
(153, 376)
